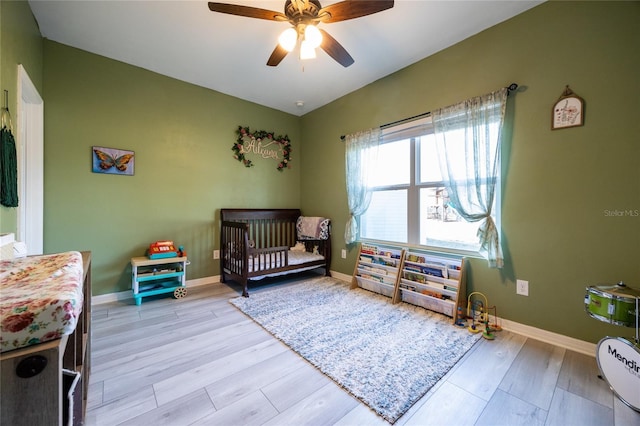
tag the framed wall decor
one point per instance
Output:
(568, 111)
(112, 161)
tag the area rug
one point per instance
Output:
(388, 356)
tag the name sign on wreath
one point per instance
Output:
(262, 144)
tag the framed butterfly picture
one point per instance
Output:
(112, 161)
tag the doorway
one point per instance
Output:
(30, 151)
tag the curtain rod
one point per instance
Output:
(511, 88)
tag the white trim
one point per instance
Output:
(566, 342)
(561, 340)
(124, 295)
(30, 147)
(203, 281)
(342, 277)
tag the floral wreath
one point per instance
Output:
(258, 136)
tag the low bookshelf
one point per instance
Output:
(433, 281)
(378, 269)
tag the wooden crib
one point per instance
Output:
(257, 243)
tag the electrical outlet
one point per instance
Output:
(344, 253)
(216, 254)
(522, 287)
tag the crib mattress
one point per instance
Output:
(296, 258)
(41, 298)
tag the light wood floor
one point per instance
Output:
(200, 361)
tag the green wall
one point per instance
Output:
(20, 43)
(184, 168)
(559, 187)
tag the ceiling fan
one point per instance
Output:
(304, 16)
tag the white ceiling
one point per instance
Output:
(185, 40)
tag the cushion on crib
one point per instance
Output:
(313, 228)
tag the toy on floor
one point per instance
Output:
(487, 333)
(461, 319)
(495, 326)
(479, 314)
(475, 311)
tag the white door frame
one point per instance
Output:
(30, 152)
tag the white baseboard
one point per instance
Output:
(566, 342)
(124, 295)
(341, 276)
(561, 340)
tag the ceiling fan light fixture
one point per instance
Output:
(303, 16)
(288, 39)
(307, 51)
(313, 36)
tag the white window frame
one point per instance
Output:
(413, 130)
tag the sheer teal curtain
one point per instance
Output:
(361, 154)
(468, 143)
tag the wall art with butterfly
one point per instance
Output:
(112, 161)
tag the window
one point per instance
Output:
(409, 203)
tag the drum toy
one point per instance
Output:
(619, 362)
(613, 304)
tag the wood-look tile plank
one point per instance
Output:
(305, 380)
(94, 396)
(252, 410)
(361, 415)
(99, 315)
(417, 406)
(136, 331)
(153, 335)
(207, 373)
(196, 315)
(203, 298)
(324, 407)
(200, 298)
(254, 377)
(507, 410)
(175, 359)
(579, 375)
(533, 375)
(624, 415)
(449, 405)
(157, 308)
(123, 408)
(127, 357)
(225, 309)
(117, 319)
(570, 409)
(488, 364)
(117, 308)
(183, 411)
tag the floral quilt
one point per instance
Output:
(41, 298)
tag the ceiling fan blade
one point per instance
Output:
(250, 12)
(351, 9)
(335, 49)
(277, 56)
